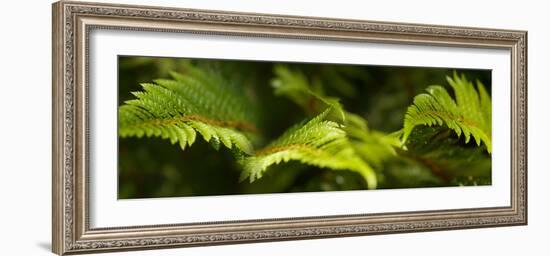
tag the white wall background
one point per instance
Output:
(25, 117)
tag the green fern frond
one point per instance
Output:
(372, 146)
(318, 142)
(197, 101)
(469, 113)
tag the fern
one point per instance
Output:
(372, 146)
(197, 101)
(469, 114)
(318, 142)
(212, 100)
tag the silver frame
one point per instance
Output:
(72, 22)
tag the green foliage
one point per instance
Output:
(335, 148)
(469, 114)
(434, 125)
(372, 147)
(197, 101)
(317, 142)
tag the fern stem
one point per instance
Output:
(449, 116)
(271, 150)
(244, 126)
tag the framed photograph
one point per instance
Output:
(177, 127)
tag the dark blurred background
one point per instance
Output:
(152, 167)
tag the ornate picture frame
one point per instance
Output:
(72, 23)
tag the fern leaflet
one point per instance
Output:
(197, 101)
(469, 114)
(374, 147)
(317, 142)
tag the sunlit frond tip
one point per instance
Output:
(468, 114)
